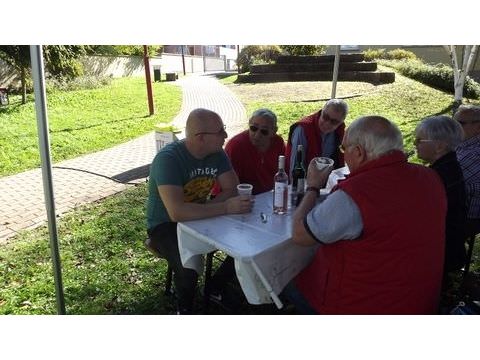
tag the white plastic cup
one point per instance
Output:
(245, 189)
(323, 162)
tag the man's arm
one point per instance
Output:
(316, 179)
(228, 182)
(179, 210)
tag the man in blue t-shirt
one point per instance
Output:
(181, 179)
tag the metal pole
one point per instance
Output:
(36, 55)
(146, 63)
(203, 55)
(238, 54)
(183, 61)
(335, 71)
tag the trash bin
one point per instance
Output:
(157, 75)
(171, 76)
(4, 96)
(165, 134)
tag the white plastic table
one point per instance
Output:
(266, 258)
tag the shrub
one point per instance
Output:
(439, 76)
(304, 49)
(395, 54)
(257, 54)
(79, 83)
(399, 54)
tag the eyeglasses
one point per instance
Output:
(418, 141)
(254, 128)
(330, 119)
(344, 148)
(463, 122)
(219, 132)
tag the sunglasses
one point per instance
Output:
(254, 128)
(219, 132)
(330, 119)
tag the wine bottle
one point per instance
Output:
(298, 178)
(280, 189)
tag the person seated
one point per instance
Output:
(254, 152)
(436, 138)
(468, 155)
(380, 233)
(320, 134)
(182, 175)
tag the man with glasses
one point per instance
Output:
(381, 231)
(320, 134)
(254, 152)
(182, 175)
(468, 155)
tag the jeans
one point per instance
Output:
(164, 241)
(293, 295)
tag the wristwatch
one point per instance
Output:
(313, 188)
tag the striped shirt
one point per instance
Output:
(468, 155)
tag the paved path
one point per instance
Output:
(21, 196)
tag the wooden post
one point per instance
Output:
(146, 63)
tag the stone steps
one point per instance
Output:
(352, 67)
(309, 67)
(375, 78)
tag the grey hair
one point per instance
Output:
(441, 128)
(265, 113)
(468, 112)
(376, 134)
(338, 105)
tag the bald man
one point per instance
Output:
(381, 231)
(181, 179)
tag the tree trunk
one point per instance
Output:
(460, 73)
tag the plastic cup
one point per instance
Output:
(323, 162)
(245, 189)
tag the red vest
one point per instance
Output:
(395, 266)
(314, 140)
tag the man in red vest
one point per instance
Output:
(381, 231)
(319, 133)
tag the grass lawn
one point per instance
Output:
(83, 121)
(106, 269)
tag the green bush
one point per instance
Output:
(257, 54)
(374, 54)
(439, 76)
(395, 54)
(79, 83)
(304, 49)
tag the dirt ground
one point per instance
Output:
(298, 91)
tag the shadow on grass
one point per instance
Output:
(96, 125)
(448, 109)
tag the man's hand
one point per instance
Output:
(239, 204)
(317, 178)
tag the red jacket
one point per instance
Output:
(314, 140)
(252, 166)
(395, 266)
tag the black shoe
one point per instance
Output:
(227, 299)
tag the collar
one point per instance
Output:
(396, 156)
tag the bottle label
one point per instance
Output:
(279, 194)
(301, 186)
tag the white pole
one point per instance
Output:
(335, 71)
(36, 55)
